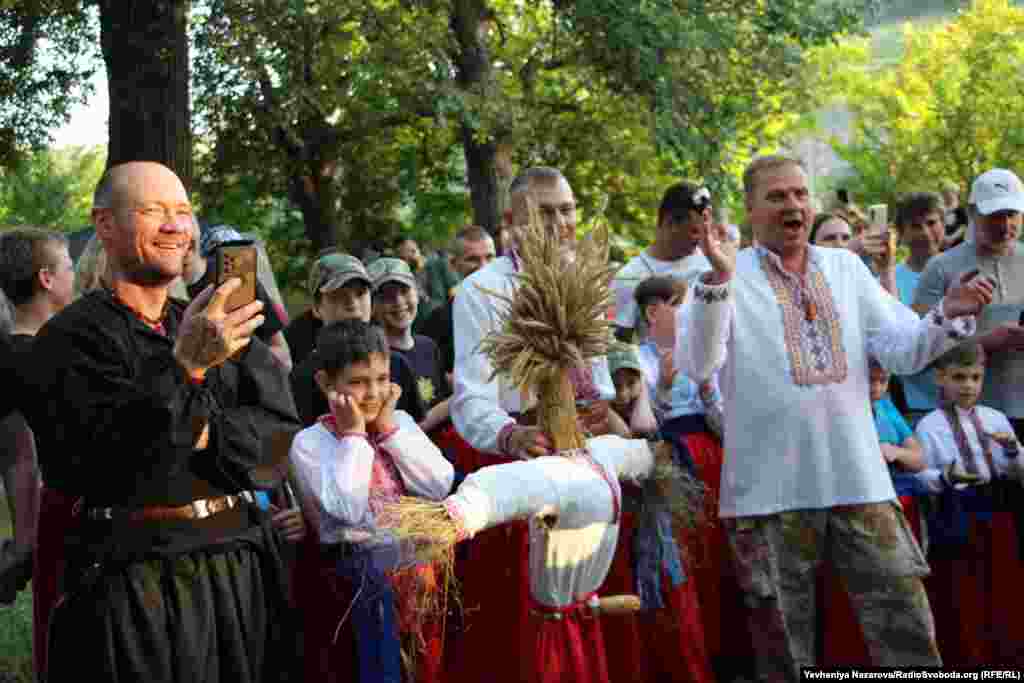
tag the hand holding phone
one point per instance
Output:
(236, 259)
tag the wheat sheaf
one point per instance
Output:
(555, 319)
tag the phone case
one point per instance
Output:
(237, 260)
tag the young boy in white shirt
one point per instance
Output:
(971, 456)
(353, 461)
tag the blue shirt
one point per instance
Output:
(891, 426)
(893, 429)
(920, 390)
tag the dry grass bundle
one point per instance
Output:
(556, 319)
(424, 528)
(672, 488)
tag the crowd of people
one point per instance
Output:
(204, 493)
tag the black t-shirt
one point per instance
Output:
(301, 336)
(438, 326)
(311, 402)
(272, 323)
(425, 361)
(14, 350)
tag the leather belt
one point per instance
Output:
(197, 509)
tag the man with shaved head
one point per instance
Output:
(158, 421)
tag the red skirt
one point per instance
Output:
(493, 568)
(489, 642)
(56, 513)
(568, 646)
(977, 620)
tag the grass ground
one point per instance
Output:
(15, 625)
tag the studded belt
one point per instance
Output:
(197, 509)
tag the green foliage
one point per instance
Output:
(943, 110)
(47, 55)
(16, 625)
(52, 188)
(365, 108)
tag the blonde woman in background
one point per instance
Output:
(91, 270)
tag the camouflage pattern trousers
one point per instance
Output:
(879, 561)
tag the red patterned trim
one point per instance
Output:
(815, 296)
(380, 437)
(594, 465)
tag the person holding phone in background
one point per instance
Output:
(995, 207)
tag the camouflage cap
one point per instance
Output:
(624, 356)
(391, 270)
(334, 270)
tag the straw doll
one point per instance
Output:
(553, 323)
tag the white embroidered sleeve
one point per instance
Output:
(703, 326)
(338, 472)
(424, 469)
(475, 405)
(901, 341)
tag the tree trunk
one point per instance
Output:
(146, 51)
(483, 181)
(469, 22)
(316, 197)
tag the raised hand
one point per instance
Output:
(968, 296)
(881, 247)
(666, 368)
(385, 421)
(208, 335)
(720, 251)
(348, 416)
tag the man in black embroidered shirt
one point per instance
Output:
(161, 421)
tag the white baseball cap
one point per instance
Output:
(997, 190)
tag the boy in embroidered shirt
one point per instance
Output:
(965, 443)
(682, 407)
(971, 454)
(361, 456)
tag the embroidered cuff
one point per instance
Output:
(710, 293)
(452, 508)
(957, 328)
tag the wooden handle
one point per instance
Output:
(618, 604)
